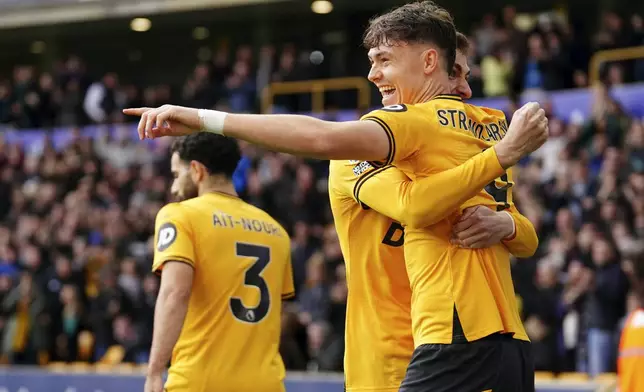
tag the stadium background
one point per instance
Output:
(78, 193)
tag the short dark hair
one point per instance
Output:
(419, 22)
(462, 43)
(219, 154)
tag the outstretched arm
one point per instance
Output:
(309, 136)
(303, 135)
(294, 134)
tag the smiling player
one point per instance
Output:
(463, 304)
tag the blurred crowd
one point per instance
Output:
(549, 52)
(70, 95)
(76, 241)
(510, 54)
(584, 192)
(76, 224)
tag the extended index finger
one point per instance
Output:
(135, 111)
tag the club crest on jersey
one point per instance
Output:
(167, 235)
(361, 168)
(395, 108)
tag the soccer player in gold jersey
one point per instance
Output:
(225, 267)
(463, 308)
(378, 307)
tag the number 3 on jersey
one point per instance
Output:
(253, 278)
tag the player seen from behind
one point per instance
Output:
(225, 267)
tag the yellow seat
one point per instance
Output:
(80, 367)
(58, 367)
(141, 368)
(103, 367)
(573, 377)
(543, 376)
(124, 368)
(113, 355)
(605, 378)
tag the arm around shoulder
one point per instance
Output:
(428, 200)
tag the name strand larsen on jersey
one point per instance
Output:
(458, 119)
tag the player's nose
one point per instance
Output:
(374, 75)
(465, 91)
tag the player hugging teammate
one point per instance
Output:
(436, 314)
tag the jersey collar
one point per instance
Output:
(451, 97)
(217, 193)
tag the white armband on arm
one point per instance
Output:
(212, 121)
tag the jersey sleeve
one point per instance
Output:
(288, 288)
(430, 199)
(396, 122)
(343, 177)
(525, 241)
(173, 237)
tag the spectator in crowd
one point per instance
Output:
(606, 306)
(101, 99)
(496, 72)
(24, 331)
(541, 317)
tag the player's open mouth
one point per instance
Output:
(387, 91)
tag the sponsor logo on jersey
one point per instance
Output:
(167, 236)
(395, 108)
(361, 168)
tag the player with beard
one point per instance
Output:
(225, 267)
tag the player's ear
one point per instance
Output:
(197, 172)
(430, 60)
